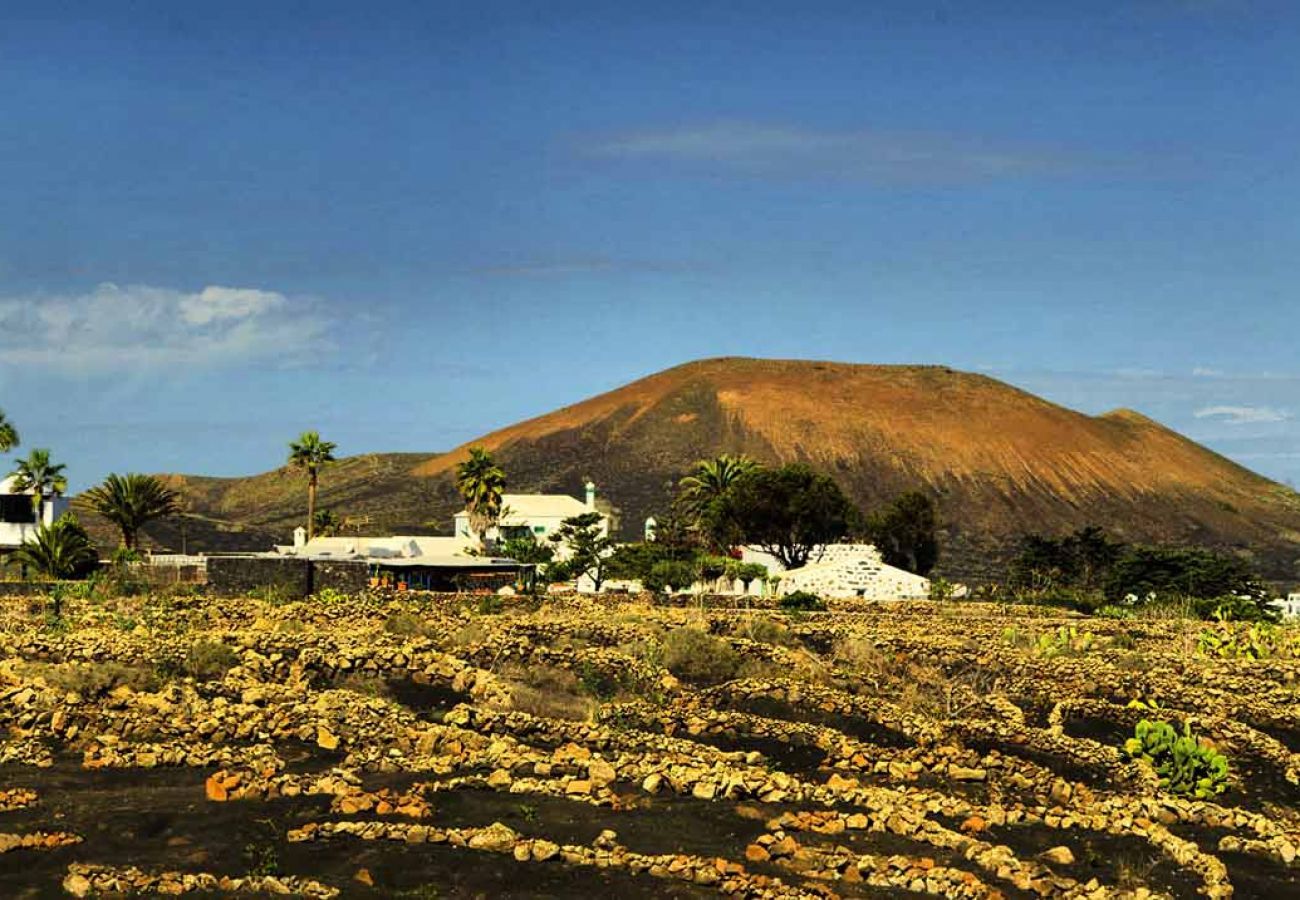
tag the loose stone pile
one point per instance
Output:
(908, 747)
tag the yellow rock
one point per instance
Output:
(326, 739)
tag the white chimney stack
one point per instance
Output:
(299, 538)
(591, 495)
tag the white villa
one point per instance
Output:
(537, 514)
(18, 514)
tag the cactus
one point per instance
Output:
(1186, 764)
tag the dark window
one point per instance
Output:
(17, 508)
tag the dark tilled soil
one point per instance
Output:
(1253, 877)
(1065, 768)
(1111, 859)
(884, 843)
(159, 819)
(1103, 731)
(854, 726)
(1259, 784)
(793, 759)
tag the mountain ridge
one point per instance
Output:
(999, 460)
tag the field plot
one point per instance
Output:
(447, 747)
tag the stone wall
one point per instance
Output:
(234, 576)
(349, 576)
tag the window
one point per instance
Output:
(539, 529)
(17, 508)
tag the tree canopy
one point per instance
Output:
(789, 512)
(905, 533)
(8, 434)
(709, 480)
(132, 501)
(482, 484)
(589, 548)
(57, 551)
(310, 454)
(40, 475)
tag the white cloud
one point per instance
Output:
(1206, 372)
(138, 327)
(868, 154)
(1243, 415)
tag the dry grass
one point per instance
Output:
(548, 692)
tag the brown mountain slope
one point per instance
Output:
(999, 461)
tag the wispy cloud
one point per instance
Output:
(867, 154)
(139, 327)
(1243, 415)
(590, 266)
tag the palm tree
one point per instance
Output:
(311, 454)
(132, 501)
(40, 476)
(710, 479)
(8, 434)
(327, 522)
(481, 482)
(59, 550)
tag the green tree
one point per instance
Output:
(1083, 559)
(789, 512)
(1192, 572)
(132, 501)
(905, 533)
(57, 551)
(710, 479)
(310, 454)
(482, 484)
(589, 548)
(8, 434)
(42, 477)
(327, 523)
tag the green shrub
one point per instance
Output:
(490, 605)
(1115, 611)
(274, 594)
(695, 656)
(547, 691)
(92, 680)
(746, 572)
(209, 660)
(1186, 765)
(942, 590)
(1260, 640)
(404, 624)
(366, 685)
(766, 631)
(1235, 608)
(1064, 641)
(676, 574)
(801, 601)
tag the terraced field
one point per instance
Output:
(438, 746)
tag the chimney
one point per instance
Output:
(299, 538)
(591, 495)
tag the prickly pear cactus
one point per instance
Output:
(1186, 764)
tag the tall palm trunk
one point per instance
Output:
(311, 505)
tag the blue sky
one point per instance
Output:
(407, 224)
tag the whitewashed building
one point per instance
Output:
(18, 514)
(539, 515)
(845, 570)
